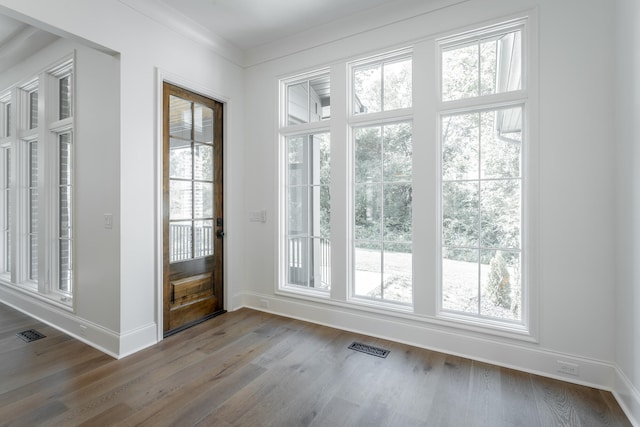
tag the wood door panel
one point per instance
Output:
(186, 314)
(191, 289)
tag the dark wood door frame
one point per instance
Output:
(197, 282)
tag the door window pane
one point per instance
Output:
(180, 241)
(181, 197)
(204, 238)
(203, 123)
(65, 97)
(180, 118)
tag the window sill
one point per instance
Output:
(30, 290)
(484, 327)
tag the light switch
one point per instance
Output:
(108, 221)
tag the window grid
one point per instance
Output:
(482, 185)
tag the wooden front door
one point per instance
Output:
(192, 208)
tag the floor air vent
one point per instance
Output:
(368, 349)
(30, 335)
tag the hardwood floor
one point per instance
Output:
(248, 368)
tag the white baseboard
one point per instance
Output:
(627, 396)
(138, 339)
(107, 341)
(523, 356)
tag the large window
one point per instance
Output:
(37, 184)
(306, 150)
(381, 208)
(417, 182)
(482, 139)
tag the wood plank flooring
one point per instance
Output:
(248, 368)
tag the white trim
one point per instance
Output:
(137, 339)
(166, 76)
(627, 396)
(517, 355)
(58, 317)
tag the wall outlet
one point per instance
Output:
(568, 368)
(264, 303)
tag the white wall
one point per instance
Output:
(575, 232)
(144, 47)
(628, 204)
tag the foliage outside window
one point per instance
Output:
(482, 157)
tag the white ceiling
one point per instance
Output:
(250, 23)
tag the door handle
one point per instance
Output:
(219, 234)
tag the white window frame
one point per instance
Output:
(284, 132)
(486, 103)
(46, 136)
(424, 115)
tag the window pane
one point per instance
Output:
(65, 106)
(296, 157)
(460, 72)
(204, 238)
(500, 213)
(33, 110)
(501, 143)
(65, 212)
(321, 254)
(297, 208)
(483, 67)
(397, 84)
(180, 240)
(65, 159)
(8, 119)
(320, 98)
(397, 212)
(298, 103)
(368, 211)
(368, 269)
(367, 89)
(460, 280)
(460, 220)
(321, 155)
(203, 123)
(397, 273)
(203, 165)
(180, 199)
(500, 284)
(309, 100)
(64, 283)
(180, 161)
(180, 118)
(297, 256)
(460, 147)
(368, 154)
(398, 153)
(203, 200)
(325, 212)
